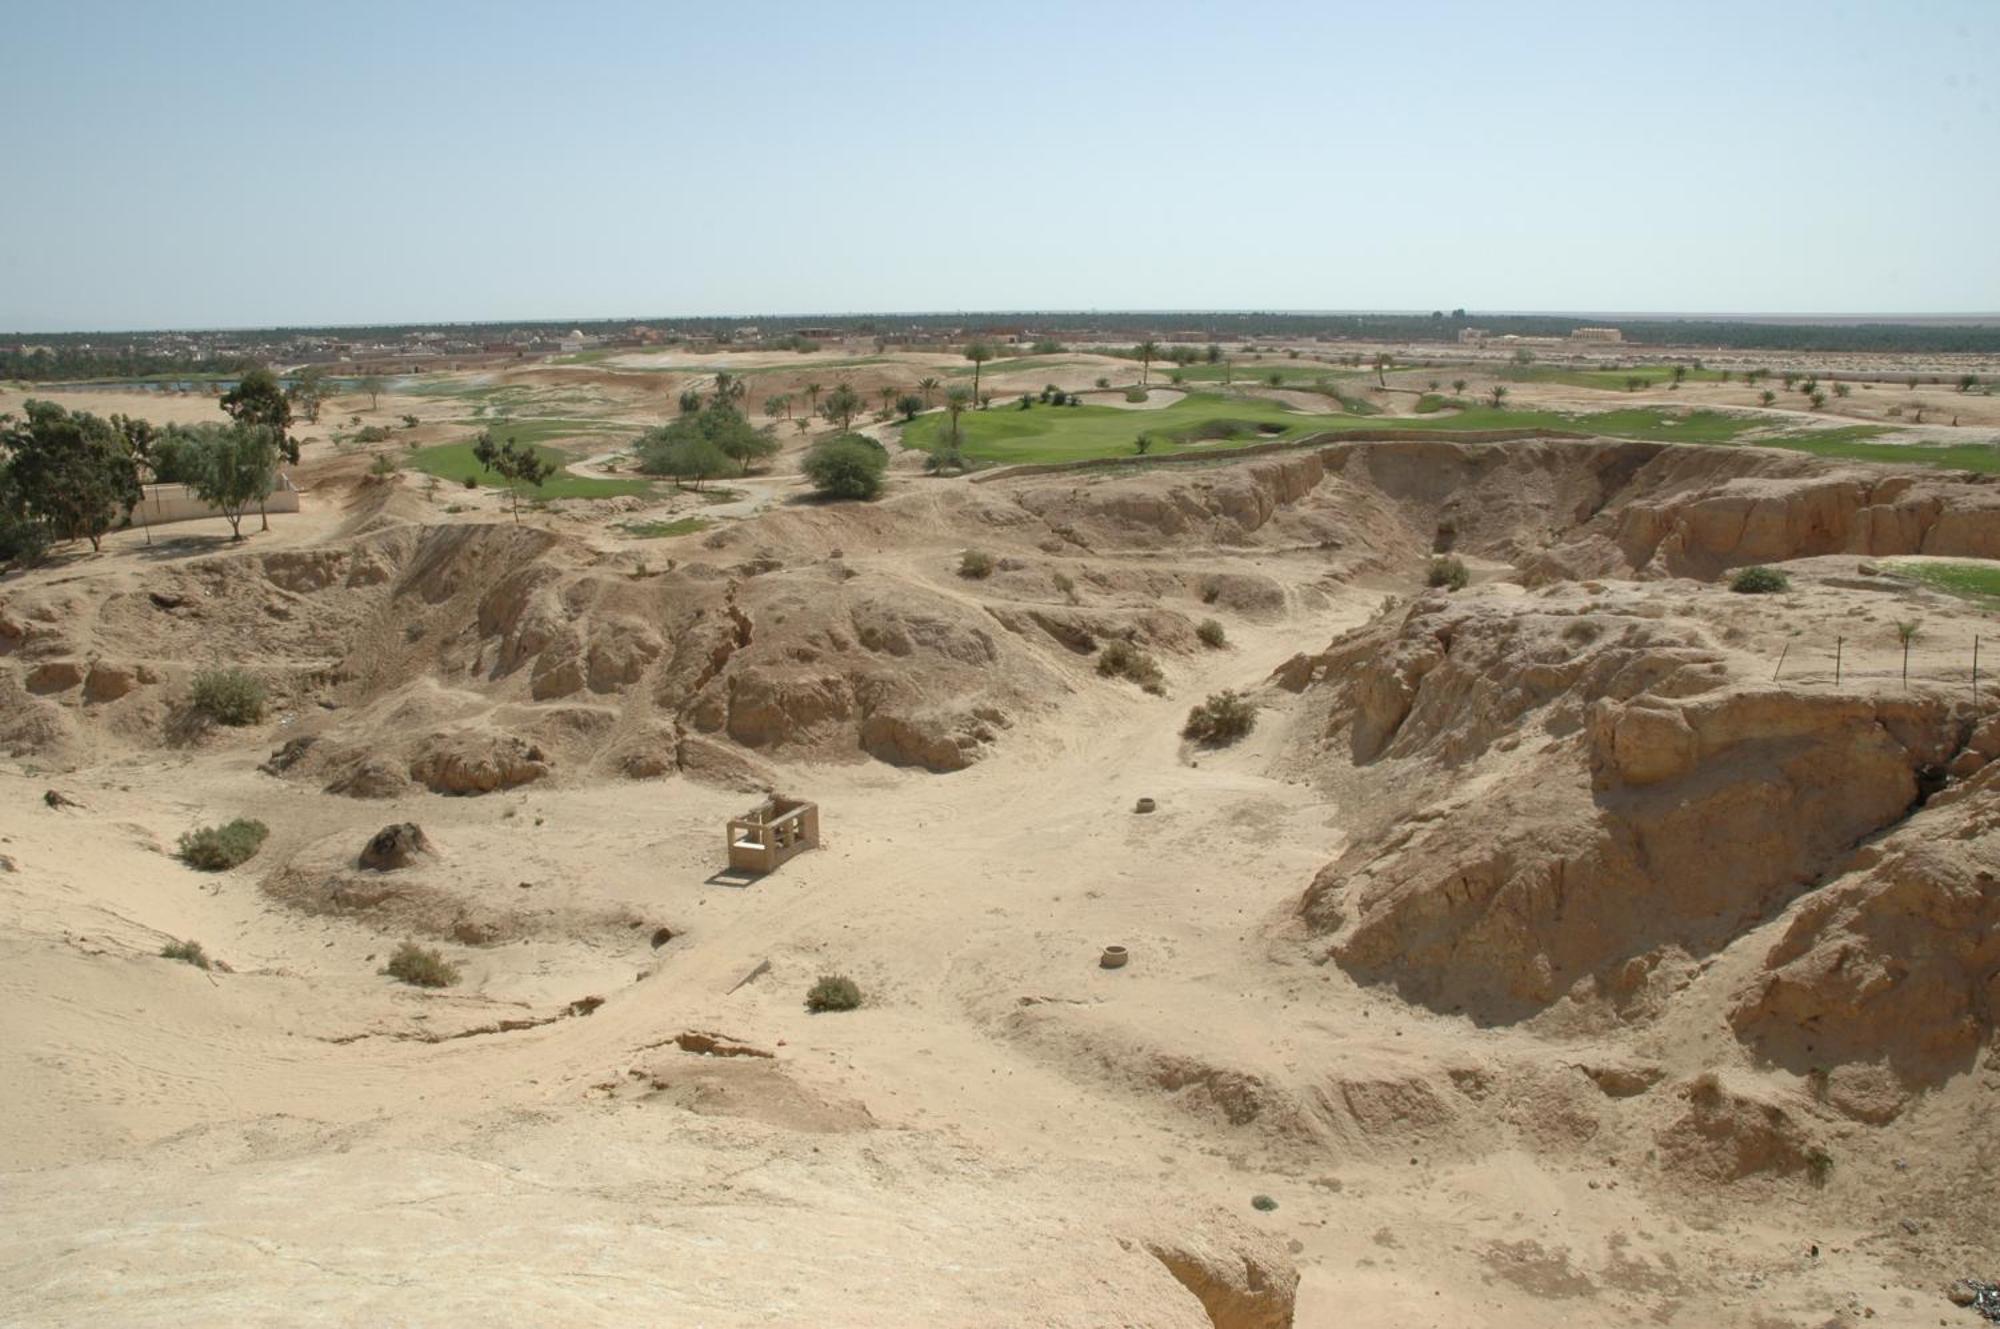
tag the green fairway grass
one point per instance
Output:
(454, 461)
(1072, 433)
(1610, 380)
(1974, 581)
(661, 530)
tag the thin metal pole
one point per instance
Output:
(1975, 669)
(1781, 661)
(1836, 659)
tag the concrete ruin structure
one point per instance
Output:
(771, 833)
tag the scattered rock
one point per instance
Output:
(55, 798)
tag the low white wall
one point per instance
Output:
(170, 503)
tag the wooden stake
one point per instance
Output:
(1837, 641)
(1781, 661)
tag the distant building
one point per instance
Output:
(1472, 336)
(1612, 335)
(576, 341)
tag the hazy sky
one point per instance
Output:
(185, 165)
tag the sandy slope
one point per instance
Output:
(1005, 1133)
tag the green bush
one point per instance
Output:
(975, 564)
(834, 992)
(1211, 634)
(422, 967)
(1135, 394)
(846, 466)
(1222, 719)
(188, 952)
(1759, 580)
(227, 696)
(219, 848)
(1448, 573)
(1103, 382)
(1121, 659)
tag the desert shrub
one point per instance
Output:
(472, 482)
(409, 422)
(1066, 584)
(975, 564)
(187, 952)
(846, 466)
(1759, 580)
(227, 696)
(833, 992)
(219, 848)
(383, 466)
(1211, 634)
(422, 967)
(1121, 659)
(1135, 394)
(1222, 719)
(1103, 382)
(1819, 1166)
(372, 434)
(1448, 572)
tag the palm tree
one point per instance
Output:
(955, 403)
(1381, 364)
(979, 353)
(1497, 394)
(1145, 350)
(1458, 386)
(927, 386)
(812, 394)
(888, 395)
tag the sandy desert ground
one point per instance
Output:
(1569, 949)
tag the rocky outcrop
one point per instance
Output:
(477, 762)
(395, 846)
(1243, 1279)
(1634, 802)
(1894, 963)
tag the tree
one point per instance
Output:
(909, 404)
(842, 405)
(309, 389)
(1382, 363)
(1497, 394)
(374, 385)
(927, 386)
(233, 466)
(685, 458)
(846, 466)
(515, 462)
(1213, 354)
(721, 426)
(1142, 444)
(888, 395)
(690, 402)
(812, 396)
(729, 389)
(258, 400)
(1680, 373)
(955, 403)
(1767, 396)
(1907, 631)
(1967, 382)
(1146, 351)
(775, 406)
(979, 353)
(1458, 386)
(75, 474)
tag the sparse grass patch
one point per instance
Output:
(227, 696)
(833, 992)
(219, 848)
(1448, 572)
(1221, 719)
(975, 565)
(1211, 634)
(422, 967)
(662, 530)
(1121, 659)
(187, 952)
(1759, 580)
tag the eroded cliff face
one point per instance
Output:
(1617, 799)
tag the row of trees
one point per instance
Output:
(68, 475)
